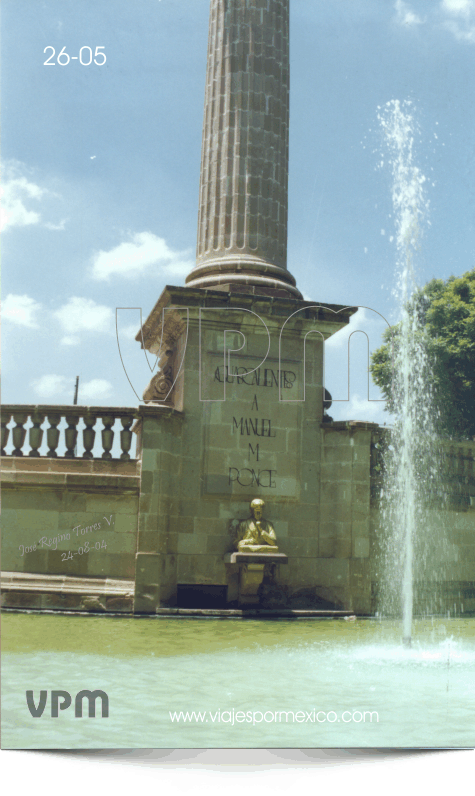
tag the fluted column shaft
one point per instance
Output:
(242, 224)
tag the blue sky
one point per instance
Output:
(101, 171)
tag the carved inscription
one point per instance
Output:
(253, 438)
(248, 477)
(253, 452)
(257, 427)
(262, 377)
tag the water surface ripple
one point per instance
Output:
(149, 667)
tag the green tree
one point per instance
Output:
(446, 311)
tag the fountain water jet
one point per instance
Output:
(411, 461)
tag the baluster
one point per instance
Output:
(460, 465)
(469, 470)
(5, 431)
(456, 470)
(450, 464)
(448, 474)
(374, 454)
(446, 464)
(88, 436)
(461, 468)
(126, 437)
(19, 433)
(471, 476)
(466, 475)
(52, 434)
(71, 435)
(35, 437)
(107, 436)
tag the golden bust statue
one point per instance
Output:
(256, 534)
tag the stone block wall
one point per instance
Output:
(445, 580)
(344, 539)
(449, 585)
(69, 517)
(184, 533)
(160, 440)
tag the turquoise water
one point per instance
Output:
(341, 671)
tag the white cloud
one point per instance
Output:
(463, 7)
(405, 15)
(16, 194)
(55, 227)
(129, 331)
(20, 198)
(346, 365)
(90, 391)
(361, 409)
(462, 33)
(457, 16)
(83, 315)
(61, 387)
(364, 320)
(20, 310)
(142, 252)
(53, 386)
(461, 22)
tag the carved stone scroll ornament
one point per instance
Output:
(160, 385)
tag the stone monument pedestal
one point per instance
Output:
(253, 568)
(240, 419)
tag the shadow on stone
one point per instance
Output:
(201, 596)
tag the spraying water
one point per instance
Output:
(411, 461)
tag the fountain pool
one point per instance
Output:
(345, 683)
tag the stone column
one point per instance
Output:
(242, 224)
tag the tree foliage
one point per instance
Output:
(446, 311)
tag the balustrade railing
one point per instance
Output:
(456, 466)
(56, 427)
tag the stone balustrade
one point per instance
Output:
(456, 467)
(45, 421)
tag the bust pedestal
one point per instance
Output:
(253, 567)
